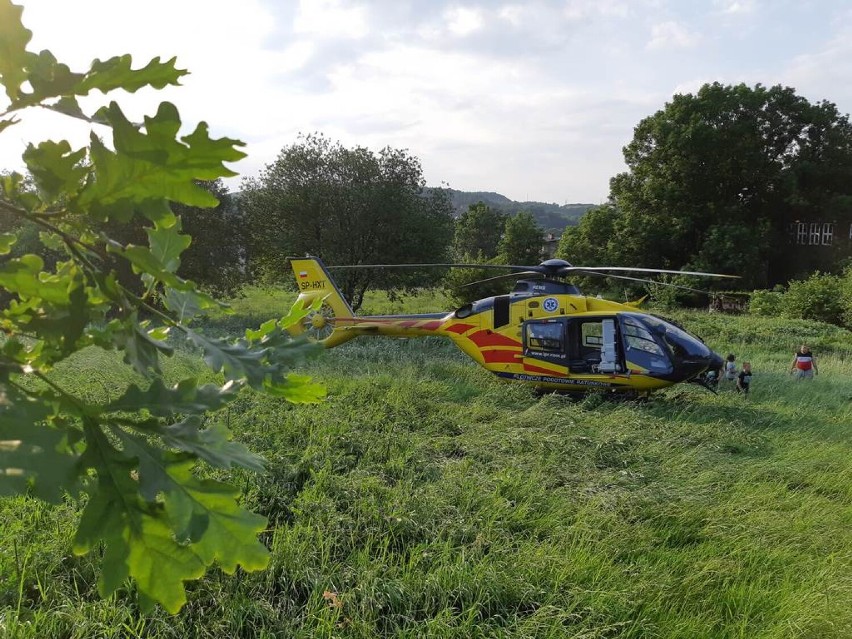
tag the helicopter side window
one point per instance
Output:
(548, 337)
(592, 335)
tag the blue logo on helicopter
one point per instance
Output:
(550, 304)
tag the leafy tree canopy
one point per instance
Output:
(497, 239)
(217, 257)
(715, 179)
(478, 231)
(134, 455)
(522, 240)
(347, 206)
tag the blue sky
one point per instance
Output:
(533, 99)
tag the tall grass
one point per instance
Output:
(426, 498)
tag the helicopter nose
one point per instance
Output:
(689, 367)
(716, 361)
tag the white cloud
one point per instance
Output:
(824, 75)
(296, 56)
(581, 9)
(733, 7)
(672, 35)
(511, 13)
(462, 21)
(329, 19)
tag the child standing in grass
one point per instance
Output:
(744, 379)
(730, 368)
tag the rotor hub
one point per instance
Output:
(319, 324)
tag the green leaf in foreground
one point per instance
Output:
(184, 397)
(7, 240)
(229, 526)
(157, 520)
(212, 444)
(33, 455)
(13, 48)
(161, 544)
(118, 73)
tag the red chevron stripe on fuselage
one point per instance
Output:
(490, 338)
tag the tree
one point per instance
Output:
(716, 178)
(217, 257)
(478, 231)
(522, 240)
(592, 239)
(593, 242)
(158, 521)
(347, 206)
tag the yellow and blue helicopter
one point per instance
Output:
(544, 333)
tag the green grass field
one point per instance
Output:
(426, 498)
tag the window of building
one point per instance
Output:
(813, 233)
(816, 235)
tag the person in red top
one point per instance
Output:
(804, 364)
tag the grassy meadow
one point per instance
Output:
(426, 498)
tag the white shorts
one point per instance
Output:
(808, 374)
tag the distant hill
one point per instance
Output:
(550, 217)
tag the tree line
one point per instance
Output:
(716, 180)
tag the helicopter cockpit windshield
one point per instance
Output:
(641, 349)
(680, 343)
(663, 349)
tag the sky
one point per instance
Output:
(532, 99)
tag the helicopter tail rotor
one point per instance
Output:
(314, 283)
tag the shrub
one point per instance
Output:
(846, 297)
(820, 297)
(766, 303)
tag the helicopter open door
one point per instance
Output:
(581, 344)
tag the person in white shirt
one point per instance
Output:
(730, 368)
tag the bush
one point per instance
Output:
(820, 297)
(670, 292)
(766, 303)
(846, 297)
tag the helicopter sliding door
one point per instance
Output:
(593, 346)
(581, 344)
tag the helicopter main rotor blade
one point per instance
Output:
(629, 269)
(505, 276)
(509, 267)
(640, 279)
